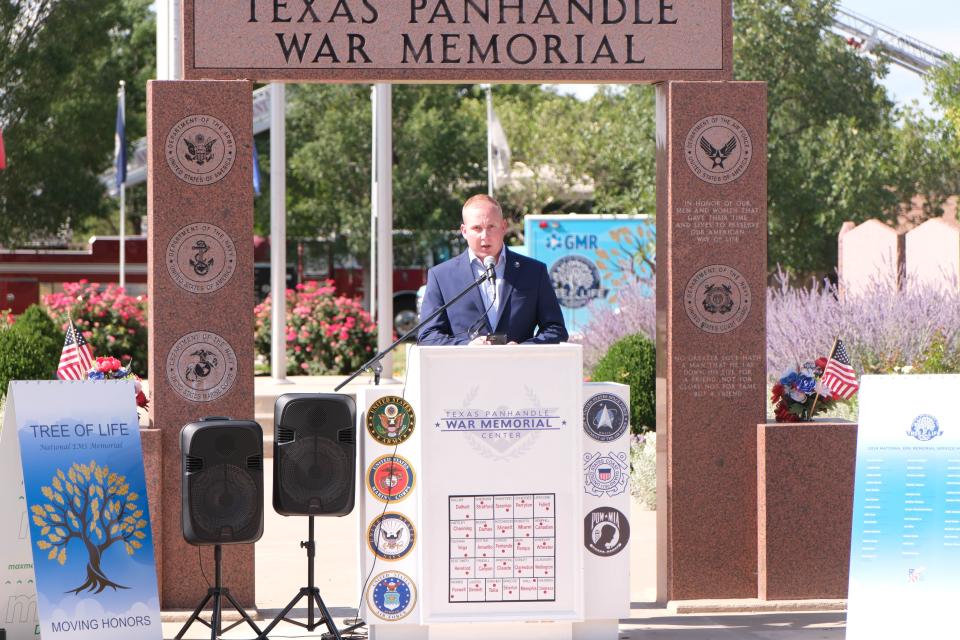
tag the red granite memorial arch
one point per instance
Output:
(711, 227)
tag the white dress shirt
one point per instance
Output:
(492, 294)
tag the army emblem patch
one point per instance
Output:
(390, 420)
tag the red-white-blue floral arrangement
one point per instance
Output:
(795, 396)
(109, 368)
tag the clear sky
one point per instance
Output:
(933, 22)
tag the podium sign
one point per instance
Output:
(905, 548)
(85, 508)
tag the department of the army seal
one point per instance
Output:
(390, 420)
(201, 366)
(391, 536)
(717, 299)
(605, 474)
(605, 417)
(718, 149)
(200, 150)
(391, 595)
(606, 531)
(201, 258)
(576, 281)
(390, 478)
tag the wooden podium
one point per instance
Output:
(493, 492)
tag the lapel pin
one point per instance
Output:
(516, 265)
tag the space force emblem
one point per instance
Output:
(605, 417)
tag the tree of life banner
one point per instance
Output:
(86, 500)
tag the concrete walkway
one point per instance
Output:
(281, 571)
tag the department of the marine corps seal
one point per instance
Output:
(390, 478)
(576, 281)
(605, 474)
(390, 420)
(717, 299)
(201, 366)
(391, 536)
(718, 149)
(391, 595)
(200, 150)
(201, 258)
(605, 417)
(606, 531)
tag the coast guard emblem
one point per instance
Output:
(390, 420)
(605, 417)
(392, 595)
(390, 478)
(605, 474)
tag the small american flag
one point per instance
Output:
(838, 375)
(76, 358)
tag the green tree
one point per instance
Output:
(91, 504)
(60, 64)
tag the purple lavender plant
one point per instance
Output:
(633, 312)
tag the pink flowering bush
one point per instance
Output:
(632, 313)
(112, 322)
(326, 334)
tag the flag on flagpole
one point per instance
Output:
(256, 170)
(500, 150)
(75, 359)
(3, 153)
(120, 142)
(838, 375)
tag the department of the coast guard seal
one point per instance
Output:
(390, 478)
(390, 420)
(391, 536)
(392, 595)
(605, 417)
(717, 299)
(605, 474)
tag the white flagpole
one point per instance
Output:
(123, 192)
(383, 206)
(490, 169)
(278, 232)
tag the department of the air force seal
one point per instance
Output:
(391, 536)
(200, 150)
(576, 281)
(718, 149)
(605, 474)
(390, 478)
(201, 366)
(201, 258)
(605, 531)
(390, 420)
(391, 595)
(925, 428)
(717, 299)
(605, 417)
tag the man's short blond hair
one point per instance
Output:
(482, 198)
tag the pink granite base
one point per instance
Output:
(805, 475)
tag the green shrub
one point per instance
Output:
(30, 349)
(633, 361)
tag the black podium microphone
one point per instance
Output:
(490, 264)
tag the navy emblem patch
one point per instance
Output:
(605, 417)
(391, 536)
(391, 595)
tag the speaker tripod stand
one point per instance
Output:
(217, 593)
(312, 594)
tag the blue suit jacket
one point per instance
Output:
(528, 304)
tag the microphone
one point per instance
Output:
(490, 264)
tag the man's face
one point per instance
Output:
(483, 228)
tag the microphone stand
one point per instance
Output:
(374, 364)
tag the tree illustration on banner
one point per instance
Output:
(633, 259)
(94, 505)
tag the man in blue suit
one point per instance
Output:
(520, 304)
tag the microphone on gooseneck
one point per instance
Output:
(490, 264)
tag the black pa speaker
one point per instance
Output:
(221, 465)
(314, 454)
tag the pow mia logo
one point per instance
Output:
(605, 417)
(391, 536)
(201, 258)
(925, 428)
(606, 531)
(717, 299)
(392, 595)
(201, 366)
(200, 150)
(390, 478)
(390, 420)
(576, 281)
(718, 149)
(605, 474)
